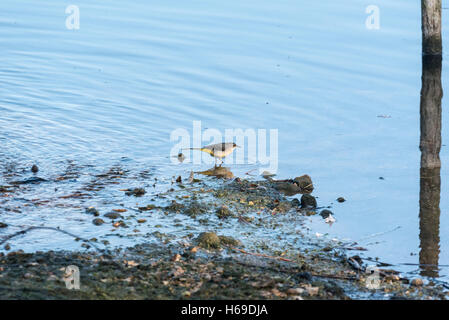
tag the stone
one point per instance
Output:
(308, 201)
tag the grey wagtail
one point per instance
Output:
(218, 150)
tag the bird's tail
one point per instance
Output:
(209, 151)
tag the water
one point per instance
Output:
(344, 98)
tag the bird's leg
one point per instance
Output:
(221, 162)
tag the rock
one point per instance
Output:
(341, 199)
(175, 206)
(267, 174)
(208, 240)
(92, 210)
(304, 276)
(98, 222)
(176, 257)
(195, 208)
(308, 201)
(304, 183)
(34, 169)
(120, 223)
(3, 225)
(288, 188)
(137, 192)
(113, 215)
(223, 212)
(219, 172)
(179, 179)
(296, 203)
(147, 208)
(181, 157)
(295, 291)
(325, 213)
(283, 206)
(417, 282)
(229, 241)
(7, 247)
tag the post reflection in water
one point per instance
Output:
(430, 181)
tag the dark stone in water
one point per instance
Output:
(341, 199)
(34, 169)
(325, 213)
(3, 225)
(308, 201)
(223, 212)
(296, 202)
(289, 188)
(98, 222)
(196, 208)
(304, 183)
(92, 210)
(208, 240)
(113, 215)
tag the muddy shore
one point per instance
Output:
(207, 263)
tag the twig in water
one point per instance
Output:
(379, 234)
(45, 228)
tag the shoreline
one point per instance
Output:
(212, 264)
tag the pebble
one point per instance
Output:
(113, 215)
(92, 210)
(417, 282)
(325, 213)
(295, 291)
(308, 201)
(341, 199)
(98, 222)
(34, 169)
(296, 202)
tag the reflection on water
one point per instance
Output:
(430, 180)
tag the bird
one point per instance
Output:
(218, 150)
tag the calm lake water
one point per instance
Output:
(344, 98)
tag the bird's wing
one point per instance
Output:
(216, 146)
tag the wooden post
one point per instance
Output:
(431, 27)
(430, 179)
